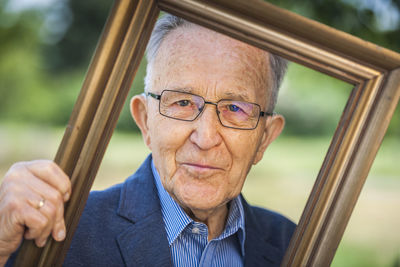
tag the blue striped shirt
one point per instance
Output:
(188, 240)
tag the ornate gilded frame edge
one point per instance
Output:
(374, 71)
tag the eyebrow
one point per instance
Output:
(237, 96)
(186, 90)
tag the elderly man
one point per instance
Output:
(206, 116)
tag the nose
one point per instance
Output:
(206, 129)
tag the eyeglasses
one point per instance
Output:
(187, 107)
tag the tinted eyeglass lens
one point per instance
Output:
(238, 114)
(180, 105)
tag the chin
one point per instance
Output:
(204, 204)
(198, 203)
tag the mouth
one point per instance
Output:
(197, 168)
(201, 166)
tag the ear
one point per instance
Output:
(273, 128)
(139, 114)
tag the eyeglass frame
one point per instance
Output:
(158, 97)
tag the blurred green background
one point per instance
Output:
(46, 46)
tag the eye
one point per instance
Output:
(183, 103)
(233, 108)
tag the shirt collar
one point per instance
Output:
(176, 220)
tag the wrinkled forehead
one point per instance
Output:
(193, 46)
(193, 37)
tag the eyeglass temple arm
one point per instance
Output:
(264, 113)
(158, 97)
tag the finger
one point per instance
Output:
(49, 211)
(18, 216)
(40, 222)
(34, 199)
(43, 191)
(52, 174)
(35, 222)
(53, 209)
(59, 231)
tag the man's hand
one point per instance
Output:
(32, 198)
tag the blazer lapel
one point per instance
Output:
(258, 250)
(144, 242)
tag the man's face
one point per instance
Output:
(203, 164)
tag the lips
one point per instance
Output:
(200, 168)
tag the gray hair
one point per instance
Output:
(169, 22)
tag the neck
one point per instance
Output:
(215, 219)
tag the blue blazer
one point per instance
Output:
(123, 226)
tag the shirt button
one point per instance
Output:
(195, 230)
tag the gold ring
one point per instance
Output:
(41, 203)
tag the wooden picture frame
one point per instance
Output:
(374, 72)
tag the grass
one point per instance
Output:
(282, 182)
